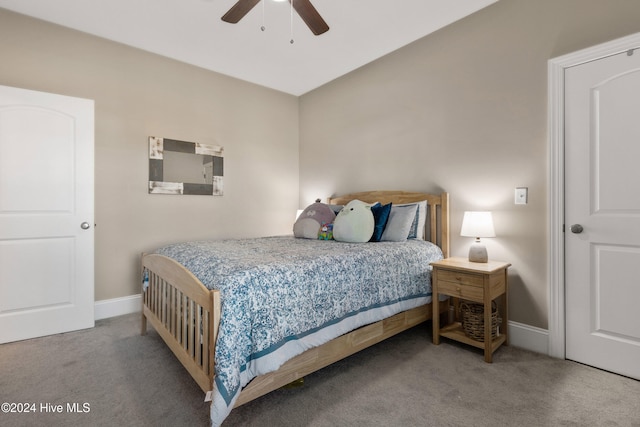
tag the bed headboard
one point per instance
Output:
(437, 230)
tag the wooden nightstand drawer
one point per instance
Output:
(460, 277)
(473, 293)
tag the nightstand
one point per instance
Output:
(471, 281)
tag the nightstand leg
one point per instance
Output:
(505, 310)
(487, 325)
(435, 316)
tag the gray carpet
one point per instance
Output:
(129, 380)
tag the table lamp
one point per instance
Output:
(477, 224)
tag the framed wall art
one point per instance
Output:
(181, 167)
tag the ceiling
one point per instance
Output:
(191, 31)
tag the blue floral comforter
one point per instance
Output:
(281, 296)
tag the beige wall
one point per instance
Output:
(463, 110)
(137, 95)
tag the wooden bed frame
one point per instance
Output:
(186, 314)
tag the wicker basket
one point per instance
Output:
(473, 320)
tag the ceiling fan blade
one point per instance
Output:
(310, 16)
(239, 10)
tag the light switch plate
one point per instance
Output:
(522, 195)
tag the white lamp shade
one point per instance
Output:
(477, 224)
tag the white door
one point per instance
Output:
(602, 213)
(46, 214)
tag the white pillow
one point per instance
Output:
(399, 224)
(417, 229)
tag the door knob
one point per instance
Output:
(576, 229)
(85, 225)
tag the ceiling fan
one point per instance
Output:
(305, 9)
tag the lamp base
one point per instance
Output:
(478, 252)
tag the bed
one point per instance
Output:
(203, 299)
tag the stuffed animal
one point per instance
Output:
(308, 224)
(354, 223)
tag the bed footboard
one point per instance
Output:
(184, 313)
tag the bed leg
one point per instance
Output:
(143, 324)
(143, 318)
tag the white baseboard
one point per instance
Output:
(117, 306)
(529, 337)
(520, 335)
